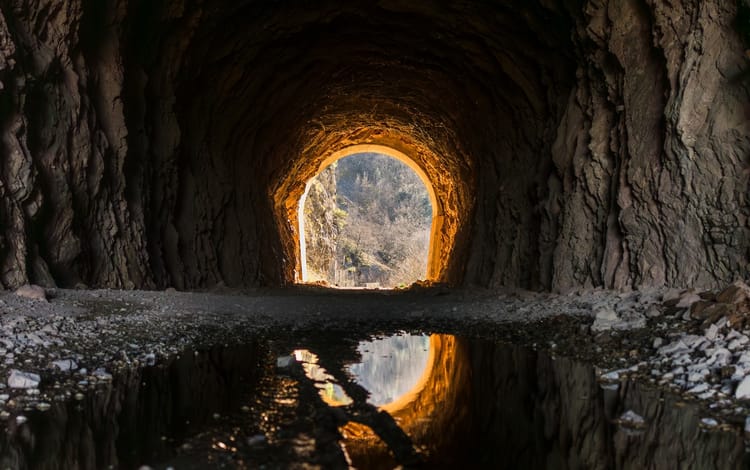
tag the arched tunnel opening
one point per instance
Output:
(377, 222)
(155, 145)
(587, 162)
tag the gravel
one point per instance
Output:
(75, 342)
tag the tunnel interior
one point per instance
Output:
(150, 144)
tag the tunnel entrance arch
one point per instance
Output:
(434, 248)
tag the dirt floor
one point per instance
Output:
(78, 342)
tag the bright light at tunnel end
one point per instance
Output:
(433, 250)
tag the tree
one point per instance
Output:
(383, 224)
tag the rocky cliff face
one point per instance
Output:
(651, 156)
(321, 227)
(578, 143)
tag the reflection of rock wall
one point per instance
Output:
(122, 425)
(504, 406)
(532, 411)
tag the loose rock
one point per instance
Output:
(20, 379)
(743, 389)
(33, 292)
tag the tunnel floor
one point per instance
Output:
(256, 379)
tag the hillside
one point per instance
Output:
(367, 220)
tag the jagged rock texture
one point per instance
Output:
(321, 229)
(576, 143)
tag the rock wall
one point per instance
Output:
(539, 411)
(138, 416)
(321, 229)
(578, 143)
(104, 182)
(650, 182)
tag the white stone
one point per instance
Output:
(32, 292)
(673, 348)
(709, 422)
(283, 362)
(693, 341)
(631, 417)
(611, 376)
(150, 359)
(65, 364)
(605, 319)
(20, 379)
(743, 389)
(719, 357)
(102, 374)
(744, 357)
(734, 345)
(653, 311)
(700, 388)
(711, 332)
(688, 299)
(683, 360)
(658, 342)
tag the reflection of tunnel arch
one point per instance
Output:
(435, 411)
(438, 217)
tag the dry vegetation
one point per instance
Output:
(367, 221)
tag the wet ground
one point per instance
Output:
(320, 379)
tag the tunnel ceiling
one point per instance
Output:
(571, 143)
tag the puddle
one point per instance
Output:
(391, 367)
(139, 415)
(407, 399)
(329, 390)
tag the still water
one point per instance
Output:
(416, 400)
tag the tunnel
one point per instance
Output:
(580, 143)
(587, 162)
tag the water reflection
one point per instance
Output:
(505, 406)
(430, 402)
(457, 401)
(391, 367)
(330, 391)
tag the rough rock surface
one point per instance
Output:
(651, 156)
(321, 229)
(580, 143)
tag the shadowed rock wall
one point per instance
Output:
(651, 158)
(577, 143)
